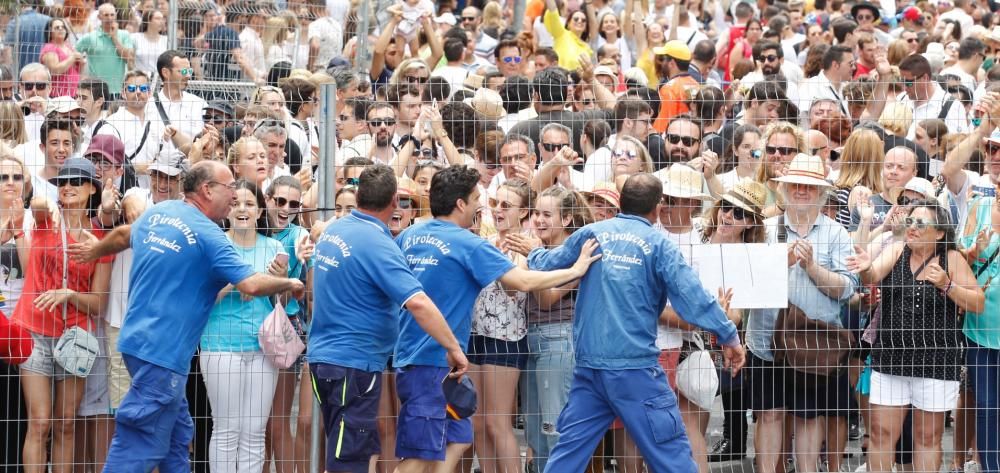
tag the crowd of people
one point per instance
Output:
(522, 205)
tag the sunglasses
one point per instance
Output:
(73, 181)
(579, 20)
(781, 150)
(912, 40)
(864, 17)
(186, 71)
(624, 153)
(352, 181)
(406, 204)
(415, 79)
(768, 58)
(141, 88)
(281, 202)
(918, 223)
(11, 177)
(514, 59)
(553, 147)
(214, 118)
(468, 18)
(687, 140)
(377, 122)
(903, 200)
(34, 85)
(992, 149)
(739, 213)
(426, 152)
(834, 155)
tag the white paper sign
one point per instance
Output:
(756, 272)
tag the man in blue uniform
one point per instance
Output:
(361, 280)
(614, 332)
(181, 260)
(454, 265)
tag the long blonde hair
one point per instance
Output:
(406, 66)
(275, 32)
(861, 161)
(12, 129)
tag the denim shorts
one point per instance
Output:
(493, 351)
(424, 430)
(43, 358)
(348, 399)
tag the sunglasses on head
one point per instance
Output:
(377, 122)
(782, 150)
(739, 213)
(281, 202)
(12, 177)
(141, 88)
(34, 85)
(687, 140)
(918, 223)
(553, 147)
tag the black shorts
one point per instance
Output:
(764, 384)
(810, 396)
(493, 351)
(348, 399)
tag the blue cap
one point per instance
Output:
(461, 397)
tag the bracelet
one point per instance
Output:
(951, 285)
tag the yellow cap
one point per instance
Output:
(676, 49)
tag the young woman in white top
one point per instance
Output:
(150, 41)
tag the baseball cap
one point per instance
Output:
(460, 395)
(225, 108)
(62, 104)
(173, 164)
(676, 49)
(107, 146)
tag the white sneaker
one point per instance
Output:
(863, 468)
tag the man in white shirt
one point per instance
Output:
(35, 85)
(174, 105)
(250, 42)
(838, 68)
(352, 129)
(927, 98)
(971, 54)
(93, 96)
(326, 34)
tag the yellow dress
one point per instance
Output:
(568, 45)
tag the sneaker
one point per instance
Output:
(862, 468)
(854, 432)
(789, 465)
(724, 451)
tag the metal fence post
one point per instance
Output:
(173, 19)
(327, 180)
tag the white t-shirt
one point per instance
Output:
(147, 52)
(455, 75)
(669, 337)
(329, 33)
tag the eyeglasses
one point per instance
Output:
(903, 200)
(624, 153)
(144, 88)
(513, 157)
(768, 58)
(102, 163)
(504, 205)
(912, 40)
(864, 17)
(918, 223)
(186, 71)
(11, 177)
(514, 59)
(426, 152)
(492, 166)
(406, 204)
(34, 85)
(281, 202)
(781, 150)
(73, 181)
(687, 140)
(377, 122)
(739, 213)
(415, 79)
(231, 186)
(553, 147)
(579, 20)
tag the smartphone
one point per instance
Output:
(281, 258)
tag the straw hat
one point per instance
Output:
(488, 103)
(406, 188)
(682, 181)
(607, 191)
(748, 195)
(807, 170)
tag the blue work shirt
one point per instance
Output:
(622, 295)
(181, 260)
(28, 37)
(454, 266)
(831, 246)
(360, 282)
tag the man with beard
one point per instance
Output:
(683, 140)
(672, 62)
(382, 126)
(769, 57)
(838, 68)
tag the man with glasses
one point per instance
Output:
(108, 155)
(508, 58)
(352, 130)
(838, 69)
(899, 166)
(109, 49)
(682, 140)
(517, 157)
(381, 126)
(140, 128)
(218, 114)
(472, 19)
(94, 97)
(35, 86)
(175, 106)
(927, 98)
(912, 40)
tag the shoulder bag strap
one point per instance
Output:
(142, 142)
(159, 108)
(945, 108)
(65, 258)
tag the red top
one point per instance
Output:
(862, 70)
(44, 273)
(15, 342)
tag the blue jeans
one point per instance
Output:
(545, 385)
(984, 378)
(152, 426)
(647, 406)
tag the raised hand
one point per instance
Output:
(860, 261)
